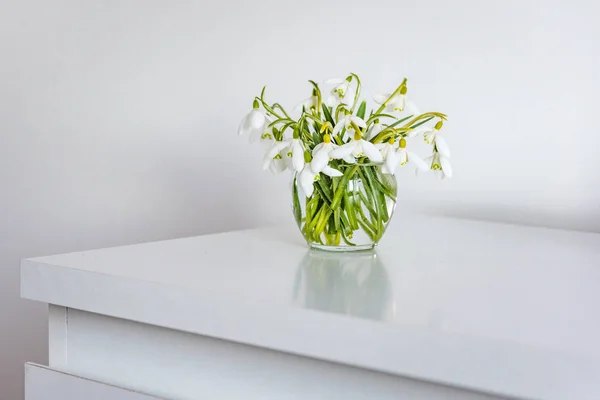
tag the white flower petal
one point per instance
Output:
(288, 161)
(418, 161)
(277, 166)
(371, 151)
(348, 135)
(429, 136)
(349, 159)
(428, 161)
(419, 131)
(331, 172)
(244, 127)
(276, 148)
(402, 155)
(342, 151)
(266, 162)
(373, 131)
(343, 88)
(266, 143)
(400, 102)
(320, 160)
(338, 127)
(412, 134)
(358, 121)
(381, 98)
(442, 146)
(384, 149)
(358, 150)
(306, 179)
(446, 167)
(256, 119)
(273, 151)
(391, 162)
(317, 148)
(255, 134)
(297, 154)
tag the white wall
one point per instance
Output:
(118, 118)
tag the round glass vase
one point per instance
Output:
(346, 213)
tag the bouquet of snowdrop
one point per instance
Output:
(344, 159)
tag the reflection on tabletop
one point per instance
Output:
(354, 284)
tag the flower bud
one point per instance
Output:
(325, 127)
(307, 156)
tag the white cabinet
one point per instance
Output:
(43, 383)
(496, 311)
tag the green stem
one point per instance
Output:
(277, 105)
(372, 235)
(314, 118)
(385, 103)
(357, 94)
(410, 125)
(319, 96)
(268, 108)
(337, 198)
(348, 207)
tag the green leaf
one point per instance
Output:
(327, 114)
(278, 121)
(341, 106)
(362, 109)
(367, 230)
(349, 209)
(262, 93)
(325, 214)
(345, 239)
(325, 190)
(399, 122)
(421, 123)
(297, 211)
(316, 138)
(316, 215)
(387, 129)
(373, 117)
(336, 220)
(367, 203)
(337, 198)
(286, 126)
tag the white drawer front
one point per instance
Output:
(43, 383)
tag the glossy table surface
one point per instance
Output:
(499, 308)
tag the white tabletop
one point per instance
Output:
(499, 308)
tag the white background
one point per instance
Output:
(118, 118)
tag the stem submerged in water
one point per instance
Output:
(349, 210)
